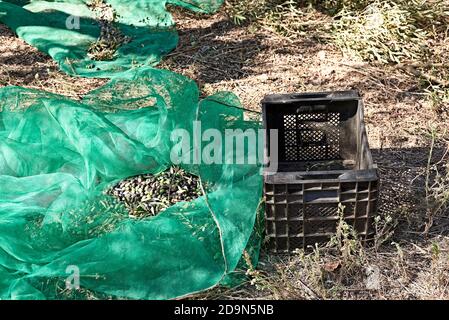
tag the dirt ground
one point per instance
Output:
(23, 65)
(253, 62)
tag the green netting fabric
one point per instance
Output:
(58, 156)
(65, 29)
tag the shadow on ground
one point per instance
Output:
(404, 175)
(21, 61)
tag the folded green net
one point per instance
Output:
(59, 156)
(66, 29)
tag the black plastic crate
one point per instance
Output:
(323, 160)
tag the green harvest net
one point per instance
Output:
(59, 156)
(65, 29)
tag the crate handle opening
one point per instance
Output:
(309, 96)
(314, 108)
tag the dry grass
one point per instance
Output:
(294, 46)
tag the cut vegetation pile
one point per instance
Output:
(111, 38)
(412, 34)
(148, 195)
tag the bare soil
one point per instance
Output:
(23, 65)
